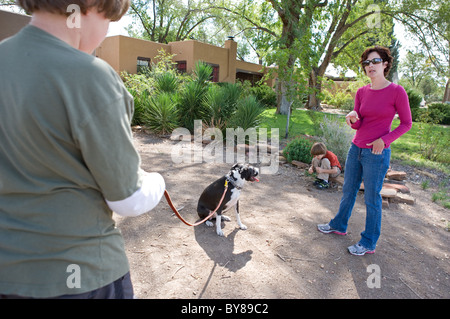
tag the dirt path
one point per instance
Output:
(281, 255)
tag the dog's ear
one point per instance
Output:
(238, 166)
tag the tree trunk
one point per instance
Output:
(447, 92)
(285, 103)
(286, 86)
(279, 95)
(315, 86)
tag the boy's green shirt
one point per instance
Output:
(65, 146)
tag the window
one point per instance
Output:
(142, 64)
(247, 76)
(215, 73)
(181, 66)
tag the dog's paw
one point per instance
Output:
(243, 227)
(226, 218)
(209, 224)
(220, 233)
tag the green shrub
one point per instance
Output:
(191, 106)
(337, 136)
(161, 113)
(192, 96)
(340, 99)
(299, 150)
(166, 82)
(202, 72)
(415, 98)
(220, 103)
(440, 112)
(248, 113)
(264, 94)
(434, 143)
(139, 87)
(140, 106)
(231, 94)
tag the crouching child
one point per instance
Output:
(325, 163)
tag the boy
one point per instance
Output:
(72, 162)
(325, 163)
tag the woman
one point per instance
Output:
(369, 155)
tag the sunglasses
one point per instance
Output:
(374, 61)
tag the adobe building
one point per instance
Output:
(11, 23)
(129, 54)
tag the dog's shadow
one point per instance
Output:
(221, 249)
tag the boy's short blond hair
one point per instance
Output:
(318, 149)
(112, 9)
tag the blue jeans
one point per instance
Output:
(361, 165)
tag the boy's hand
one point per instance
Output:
(311, 170)
(319, 170)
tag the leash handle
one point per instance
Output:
(169, 201)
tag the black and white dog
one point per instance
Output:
(210, 198)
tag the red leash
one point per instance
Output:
(169, 201)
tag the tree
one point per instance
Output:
(308, 35)
(293, 52)
(429, 22)
(419, 73)
(352, 26)
(257, 24)
(166, 21)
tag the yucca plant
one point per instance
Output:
(248, 113)
(232, 93)
(161, 115)
(191, 106)
(214, 105)
(192, 97)
(140, 105)
(166, 82)
(202, 72)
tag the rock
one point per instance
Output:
(282, 159)
(338, 180)
(393, 181)
(396, 175)
(398, 187)
(300, 164)
(388, 192)
(404, 198)
(428, 174)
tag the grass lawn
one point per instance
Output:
(406, 148)
(300, 123)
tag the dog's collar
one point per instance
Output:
(230, 180)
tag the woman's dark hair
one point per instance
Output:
(384, 53)
(112, 9)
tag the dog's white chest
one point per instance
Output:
(235, 193)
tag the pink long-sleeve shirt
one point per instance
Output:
(376, 110)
